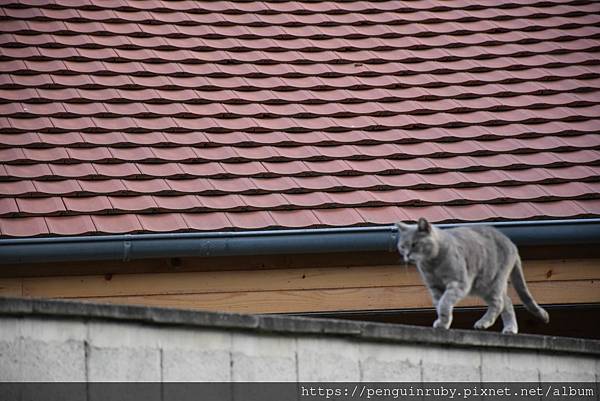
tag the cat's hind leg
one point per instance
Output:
(509, 319)
(495, 304)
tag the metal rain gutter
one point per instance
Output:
(267, 242)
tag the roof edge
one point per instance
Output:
(268, 242)
(286, 325)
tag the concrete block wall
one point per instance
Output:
(63, 347)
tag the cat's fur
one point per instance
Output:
(463, 261)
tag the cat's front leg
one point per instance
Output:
(455, 291)
(436, 295)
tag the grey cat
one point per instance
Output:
(463, 261)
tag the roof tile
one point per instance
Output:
(119, 223)
(214, 221)
(95, 204)
(17, 188)
(316, 183)
(162, 222)
(274, 184)
(40, 206)
(338, 217)
(154, 186)
(100, 186)
(249, 168)
(233, 185)
(120, 169)
(195, 185)
(359, 181)
(70, 225)
(251, 220)
(476, 212)
(8, 206)
(383, 215)
(220, 202)
(517, 211)
(560, 209)
(311, 199)
(182, 202)
(294, 218)
(63, 187)
(570, 189)
(28, 170)
(524, 192)
(132, 203)
(23, 227)
(264, 201)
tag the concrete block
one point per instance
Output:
(199, 339)
(450, 364)
(195, 355)
(52, 329)
(263, 358)
(196, 365)
(123, 364)
(37, 349)
(10, 360)
(391, 363)
(10, 328)
(566, 368)
(44, 329)
(120, 351)
(328, 359)
(33, 360)
(507, 366)
(123, 334)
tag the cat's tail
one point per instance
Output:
(518, 281)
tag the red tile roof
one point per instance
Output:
(154, 116)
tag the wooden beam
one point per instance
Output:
(228, 281)
(172, 265)
(298, 289)
(561, 269)
(346, 299)
(286, 301)
(270, 280)
(11, 288)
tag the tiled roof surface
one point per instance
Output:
(154, 116)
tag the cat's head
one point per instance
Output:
(417, 242)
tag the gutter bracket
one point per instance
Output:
(127, 248)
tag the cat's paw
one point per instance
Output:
(482, 324)
(439, 324)
(510, 330)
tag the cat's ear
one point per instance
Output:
(402, 227)
(423, 225)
